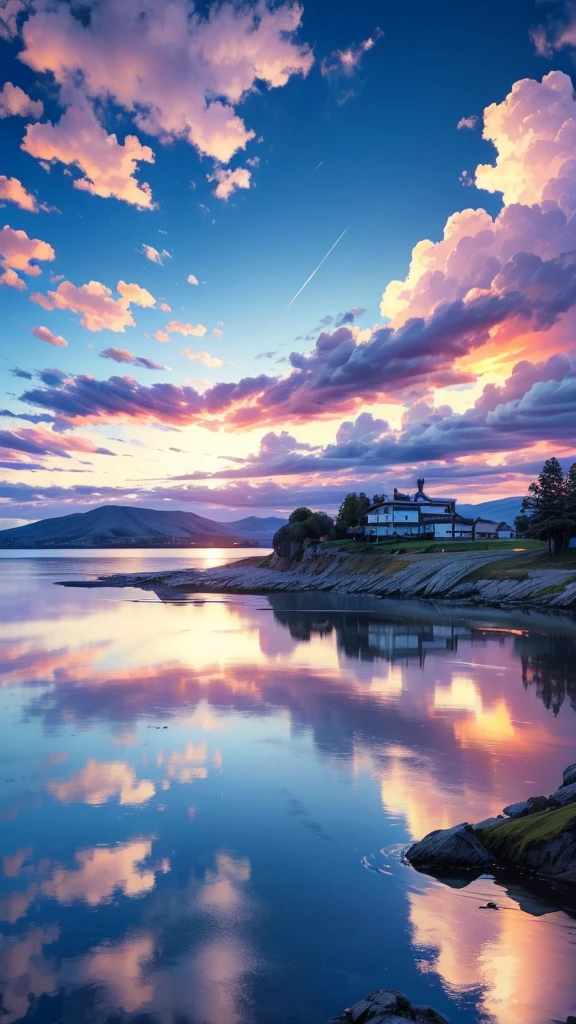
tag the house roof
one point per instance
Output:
(504, 526)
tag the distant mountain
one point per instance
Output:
(125, 526)
(500, 510)
(262, 529)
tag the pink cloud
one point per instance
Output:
(9, 12)
(94, 301)
(534, 132)
(154, 255)
(137, 295)
(229, 181)
(217, 332)
(212, 362)
(161, 336)
(122, 355)
(192, 279)
(51, 339)
(165, 64)
(108, 167)
(12, 191)
(38, 442)
(14, 102)
(468, 122)
(346, 62)
(17, 252)
(165, 307)
(559, 31)
(11, 279)
(188, 330)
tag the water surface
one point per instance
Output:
(201, 802)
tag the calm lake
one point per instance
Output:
(202, 802)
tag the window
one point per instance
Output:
(405, 517)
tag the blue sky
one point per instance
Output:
(376, 152)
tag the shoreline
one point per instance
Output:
(461, 578)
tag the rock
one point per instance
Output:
(569, 776)
(539, 803)
(518, 810)
(449, 849)
(489, 821)
(564, 796)
(489, 906)
(386, 1006)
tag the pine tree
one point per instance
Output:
(545, 505)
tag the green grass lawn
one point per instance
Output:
(406, 546)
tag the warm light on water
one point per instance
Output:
(200, 801)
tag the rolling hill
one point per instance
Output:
(261, 529)
(500, 510)
(125, 526)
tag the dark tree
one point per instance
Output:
(352, 512)
(299, 515)
(550, 506)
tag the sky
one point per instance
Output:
(254, 255)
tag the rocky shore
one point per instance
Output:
(536, 836)
(456, 576)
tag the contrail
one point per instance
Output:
(308, 279)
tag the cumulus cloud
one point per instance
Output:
(534, 132)
(14, 102)
(192, 279)
(108, 168)
(12, 191)
(188, 330)
(165, 307)
(347, 62)
(155, 255)
(202, 357)
(18, 252)
(229, 181)
(121, 355)
(217, 332)
(51, 339)
(179, 74)
(161, 336)
(95, 303)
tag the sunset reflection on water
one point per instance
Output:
(189, 792)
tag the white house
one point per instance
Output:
(418, 515)
(487, 529)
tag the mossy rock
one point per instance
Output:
(544, 842)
